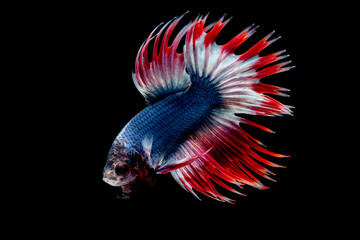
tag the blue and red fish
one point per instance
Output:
(189, 128)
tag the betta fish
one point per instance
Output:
(189, 128)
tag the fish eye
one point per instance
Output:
(122, 169)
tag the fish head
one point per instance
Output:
(127, 168)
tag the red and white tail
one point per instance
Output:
(233, 158)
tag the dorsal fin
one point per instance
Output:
(165, 74)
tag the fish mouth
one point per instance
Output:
(130, 186)
(112, 181)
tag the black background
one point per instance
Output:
(84, 57)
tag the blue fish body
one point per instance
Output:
(171, 120)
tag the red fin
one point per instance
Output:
(233, 160)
